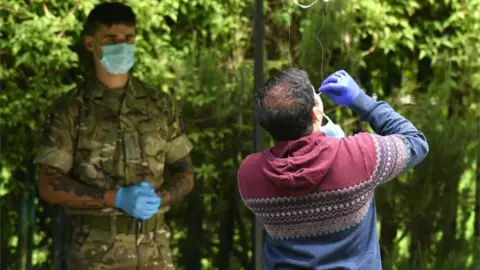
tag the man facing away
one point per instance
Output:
(103, 153)
(314, 189)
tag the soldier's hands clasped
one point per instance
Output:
(139, 201)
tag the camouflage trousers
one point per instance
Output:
(94, 250)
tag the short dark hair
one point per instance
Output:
(284, 106)
(108, 14)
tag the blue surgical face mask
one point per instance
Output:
(118, 58)
(331, 129)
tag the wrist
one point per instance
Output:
(362, 104)
(111, 198)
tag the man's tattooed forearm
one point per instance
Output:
(176, 188)
(61, 182)
(181, 183)
(183, 165)
(85, 204)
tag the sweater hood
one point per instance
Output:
(299, 166)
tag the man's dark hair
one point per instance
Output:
(284, 106)
(108, 14)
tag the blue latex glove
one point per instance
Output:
(139, 201)
(341, 88)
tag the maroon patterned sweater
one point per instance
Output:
(326, 186)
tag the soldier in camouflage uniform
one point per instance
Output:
(103, 153)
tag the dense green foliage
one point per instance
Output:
(422, 56)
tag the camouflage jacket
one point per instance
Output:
(109, 138)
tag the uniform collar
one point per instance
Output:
(96, 89)
(136, 88)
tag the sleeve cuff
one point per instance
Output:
(363, 104)
(178, 148)
(54, 157)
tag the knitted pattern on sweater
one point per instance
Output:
(325, 210)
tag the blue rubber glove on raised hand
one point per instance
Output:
(341, 88)
(139, 201)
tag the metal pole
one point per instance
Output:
(258, 34)
(26, 226)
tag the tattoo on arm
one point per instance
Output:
(85, 204)
(180, 184)
(183, 165)
(61, 182)
(59, 188)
